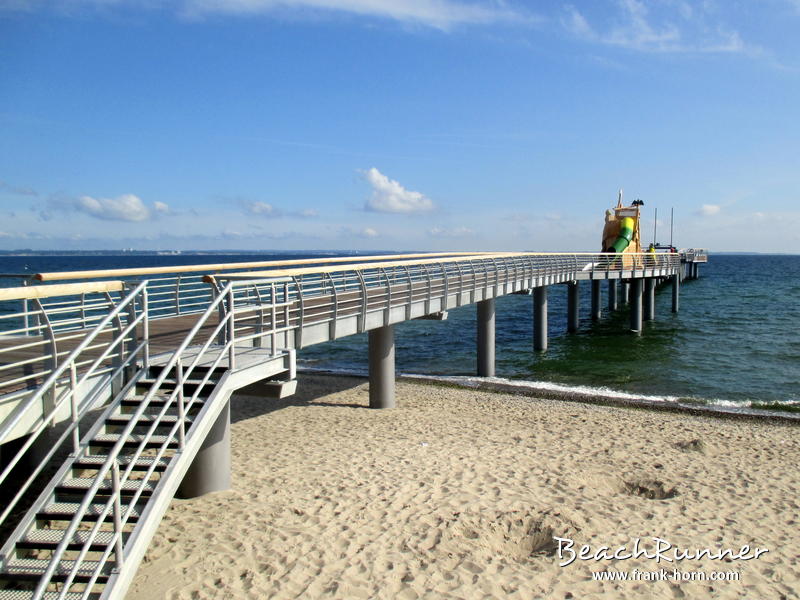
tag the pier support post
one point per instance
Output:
(595, 299)
(381, 367)
(650, 299)
(540, 318)
(486, 312)
(612, 295)
(573, 306)
(676, 292)
(636, 305)
(210, 470)
(624, 290)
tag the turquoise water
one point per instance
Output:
(735, 340)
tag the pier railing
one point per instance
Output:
(95, 367)
(390, 291)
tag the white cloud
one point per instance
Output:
(123, 208)
(389, 196)
(709, 210)
(309, 213)
(677, 27)
(440, 14)
(161, 207)
(451, 232)
(260, 208)
(369, 232)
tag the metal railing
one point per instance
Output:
(35, 340)
(214, 342)
(322, 295)
(60, 391)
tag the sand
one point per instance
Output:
(458, 494)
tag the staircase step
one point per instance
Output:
(170, 381)
(159, 403)
(64, 511)
(94, 461)
(31, 569)
(108, 440)
(79, 484)
(51, 538)
(28, 595)
(145, 419)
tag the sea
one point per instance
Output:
(734, 344)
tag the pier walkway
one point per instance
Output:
(115, 386)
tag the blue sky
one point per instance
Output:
(390, 124)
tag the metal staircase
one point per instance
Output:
(87, 531)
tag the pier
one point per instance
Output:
(121, 379)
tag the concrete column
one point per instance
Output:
(486, 312)
(649, 299)
(573, 306)
(696, 270)
(676, 292)
(540, 318)
(624, 291)
(612, 295)
(595, 300)
(381, 367)
(636, 305)
(210, 470)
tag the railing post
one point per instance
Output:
(73, 403)
(146, 329)
(178, 296)
(116, 492)
(231, 330)
(51, 362)
(179, 376)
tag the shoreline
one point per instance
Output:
(523, 388)
(462, 493)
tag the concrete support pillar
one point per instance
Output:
(696, 270)
(210, 470)
(612, 295)
(676, 292)
(596, 300)
(624, 291)
(649, 299)
(486, 312)
(540, 318)
(636, 305)
(573, 306)
(381, 367)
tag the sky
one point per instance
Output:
(397, 124)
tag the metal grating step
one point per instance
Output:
(28, 595)
(133, 440)
(30, 569)
(64, 511)
(145, 419)
(158, 403)
(95, 461)
(51, 538)
(81, 484)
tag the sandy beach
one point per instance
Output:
(460, 493)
